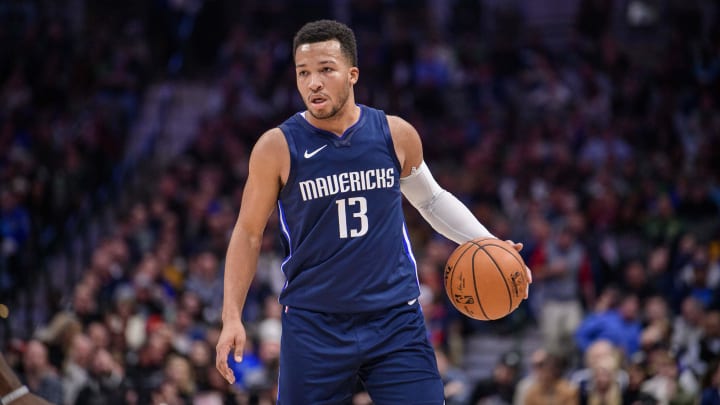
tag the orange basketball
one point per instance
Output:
(485, 279)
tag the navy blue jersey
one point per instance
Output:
(341, 215)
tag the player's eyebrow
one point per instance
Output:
(322, 62)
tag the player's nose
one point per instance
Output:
(315, 83)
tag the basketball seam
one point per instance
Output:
(477, 294)
(502, 275)
(452, 275)
(515, 254)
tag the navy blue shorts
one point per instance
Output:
(323, 356)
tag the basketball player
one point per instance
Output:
(337, 172)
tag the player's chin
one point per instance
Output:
(321, 113)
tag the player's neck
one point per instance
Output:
(338, 123)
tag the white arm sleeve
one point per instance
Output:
(442, 210)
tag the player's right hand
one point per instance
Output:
(232, 337)
(518, 246)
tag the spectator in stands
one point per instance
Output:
(711, 386)
(537, 360)
(200, 358)
(664, 384)
(57, 336)
(500, 386)
(635, 280)
(107, 384)
(687, 327)
(662, 225)
(128, 323)
(656, 311)
(550, 386)
(40, 377)
(604, 146)
(657, 326)
(268, 352)
(454, 379)
(702, 354)
(700, 277)
(557, 278)
(637, 375)
(167, 393)
(145, 373)
(75, 373)
(99, 334)
(661, 276)
(186, 330)
(603, 387)
(15, 227)
(84, 301)
(620, 325)
(205, 281)
(178, 372)
(601, 358)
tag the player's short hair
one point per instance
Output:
(326, 30)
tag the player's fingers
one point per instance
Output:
(518, 246)
(221, 360)
(529, 277)
(239, 348)
(221, 364)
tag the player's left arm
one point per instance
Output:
(441, 209)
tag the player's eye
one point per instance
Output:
(302, 73)
(327, 70)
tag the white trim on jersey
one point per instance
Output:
(286, 232)
(408, 247)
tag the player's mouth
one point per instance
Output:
(317, 100)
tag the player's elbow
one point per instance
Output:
(424, 202)
(247, 237)
(254, 241)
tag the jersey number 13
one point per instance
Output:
(359, 210)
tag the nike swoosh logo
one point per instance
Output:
(412, 301)
(308, 155)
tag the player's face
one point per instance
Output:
(324, 78)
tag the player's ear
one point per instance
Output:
(354, 74)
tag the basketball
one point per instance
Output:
(485, 279)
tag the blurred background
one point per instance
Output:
(587, 129)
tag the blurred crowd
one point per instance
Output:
(69, 91)
(600, 155)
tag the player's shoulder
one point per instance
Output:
(401, 130)
(270, 142)
(407, 143)
(397, 123)
(271, 154)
